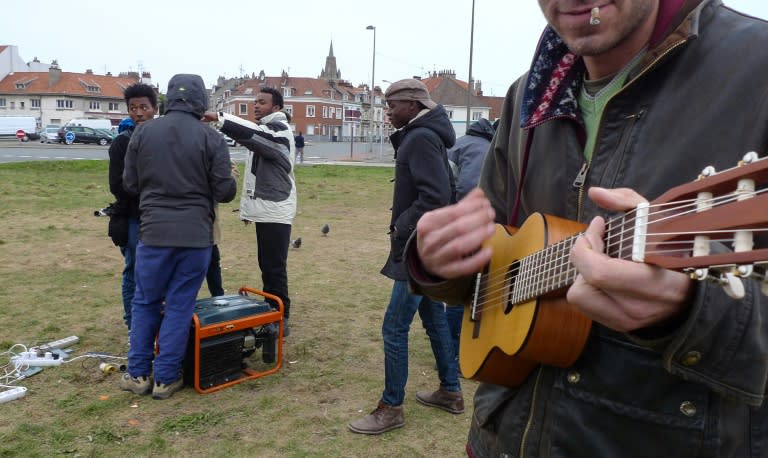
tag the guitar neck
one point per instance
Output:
(550, 269)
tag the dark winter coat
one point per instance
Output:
(467, 155)
(179, 167)
(422, 179)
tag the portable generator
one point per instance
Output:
(233, 338)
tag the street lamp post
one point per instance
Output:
(469, 80)
(373, 72)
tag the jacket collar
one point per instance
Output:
(555, 76)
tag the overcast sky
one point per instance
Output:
(233, 37)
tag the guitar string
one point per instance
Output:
(546, 282)
(560, 262)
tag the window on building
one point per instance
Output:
(450, 114)
(114, 106)
(94, 105)
(289, 109)
(64, 103)
(310, 111)
(243, 108)
(21, 105)
(325, 111)
(476, 115)
(13, 104)
(338, 113)
(91, 88)
(2, 102)
(286, 92)
(35, 103)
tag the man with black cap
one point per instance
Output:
(422, 183)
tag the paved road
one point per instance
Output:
(12, 150)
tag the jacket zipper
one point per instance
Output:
(529, 423)
(581, 177)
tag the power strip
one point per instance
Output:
(13, 393)
(61, 343)
(30, 358)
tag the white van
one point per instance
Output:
(9, 125)
(93, 123)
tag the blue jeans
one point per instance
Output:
(167, 282)
(455, 315)
(129, 254)
(397, 322)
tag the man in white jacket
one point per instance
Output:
(269, 188)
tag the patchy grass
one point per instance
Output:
(61, 276)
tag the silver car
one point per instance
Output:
(49, 135)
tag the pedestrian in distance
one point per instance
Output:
(422, 182)
(179, 168)
(624, 101)
(299, 140)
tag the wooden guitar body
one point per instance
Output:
(504, 342)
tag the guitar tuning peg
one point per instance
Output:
(749, 158)
(732, 285)
(707, 172)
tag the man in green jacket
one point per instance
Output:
(623, 101)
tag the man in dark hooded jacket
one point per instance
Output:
(422, 183)
(179, 167)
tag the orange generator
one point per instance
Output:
(233, 339)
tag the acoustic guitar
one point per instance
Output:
(519, 318)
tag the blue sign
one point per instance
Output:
(69, 137)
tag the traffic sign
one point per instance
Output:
(69, 137)
(20, 134)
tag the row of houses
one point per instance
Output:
(326, 107)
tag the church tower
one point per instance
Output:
(330, 72)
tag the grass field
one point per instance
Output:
(60, 276)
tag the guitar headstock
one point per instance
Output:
(709, 227)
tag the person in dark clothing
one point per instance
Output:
(422, 183)
(141, 100)
(625, 102)
(299, 147)
(466, 159)
(179, 168)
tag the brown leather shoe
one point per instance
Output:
(381, 420)
(450, 401)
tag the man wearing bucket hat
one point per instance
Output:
(422, 182)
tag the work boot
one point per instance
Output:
(136, 385)
(379, 421)
(163, 391)
(450, 401)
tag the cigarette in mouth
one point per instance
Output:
(594, 18)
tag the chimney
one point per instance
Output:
(54, 74)
(89, 72)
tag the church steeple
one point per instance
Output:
(330, 72)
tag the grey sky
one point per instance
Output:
(227, 37)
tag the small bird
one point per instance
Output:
(325, 229)
(296, 243)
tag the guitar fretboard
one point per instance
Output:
(550, 269)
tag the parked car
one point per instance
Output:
(229, 141)
(107, 132)
(49, 135)
(85, 135)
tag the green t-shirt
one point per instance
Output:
(593, 98)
